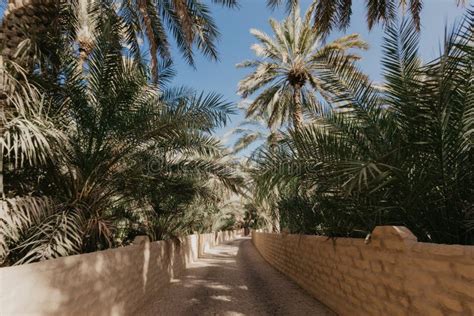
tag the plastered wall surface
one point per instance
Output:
(393, 274)
(117, 281)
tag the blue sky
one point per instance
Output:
(235, 42)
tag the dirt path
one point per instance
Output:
(233, 279)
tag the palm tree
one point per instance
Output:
(330, 14)
(293, 68)
(401, 155)
(79, 152)
(189, 22)
(144, 23)
(27, 141)
(254, 131)
(251, 131)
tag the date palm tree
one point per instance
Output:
(253, 132)
(293, 67)
(79, 151)
(401, 155)
(147, 25)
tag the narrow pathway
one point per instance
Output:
(233, 279)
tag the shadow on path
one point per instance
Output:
(233, 279)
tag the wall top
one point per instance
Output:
(394, 232)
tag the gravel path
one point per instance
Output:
(233, 279)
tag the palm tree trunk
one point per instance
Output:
(142, 5)
(276, 222)
(3, 96)
(297, 108)
(84, 33)
(2, 131)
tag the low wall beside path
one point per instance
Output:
(116, 281)
(393, 274)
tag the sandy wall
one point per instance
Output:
(393, 274)
(112, 282)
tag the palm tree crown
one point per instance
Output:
(292, 67)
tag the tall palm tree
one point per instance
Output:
(145, 24)
(293, 68)
(330, 14)
(402, 155)
(80, 152)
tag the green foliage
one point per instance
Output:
(96, 154)
(189, 22)
(292, 69)
(95, 151)
(401, 154)
(336, 14)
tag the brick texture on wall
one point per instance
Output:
(392, 274)
(117, 281)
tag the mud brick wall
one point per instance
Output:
(118, 281)
(393, 274)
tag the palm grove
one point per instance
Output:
(97, 147)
